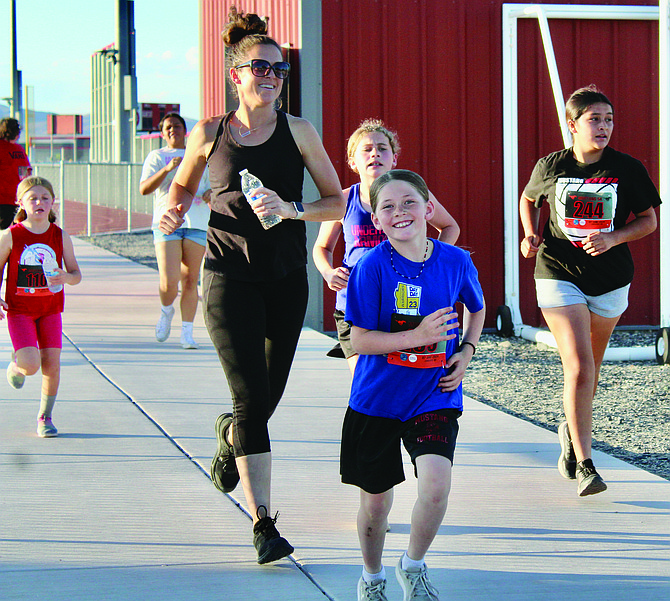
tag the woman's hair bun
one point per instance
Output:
(241, 25)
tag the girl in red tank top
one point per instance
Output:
(40, 260)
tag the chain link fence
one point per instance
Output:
(94, 198)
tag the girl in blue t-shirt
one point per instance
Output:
(372, 150)
(407, 383)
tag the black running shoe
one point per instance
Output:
(589, 481)
(224, 469)
(270, 545)
(336, 352)
(567, 462)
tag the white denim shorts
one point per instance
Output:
(559, 293)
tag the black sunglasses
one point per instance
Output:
(261, 68)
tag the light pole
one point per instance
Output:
(15, 101)
(126, 82)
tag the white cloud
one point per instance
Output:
(193, 56)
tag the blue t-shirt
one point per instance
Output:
(379, 297)
(360, 236)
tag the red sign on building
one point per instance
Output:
(151, 114)
(64, 125)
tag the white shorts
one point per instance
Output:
(559, 293)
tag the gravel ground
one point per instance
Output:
(631, 411)
(136, 246)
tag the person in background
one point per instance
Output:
(408, 380)
(14, 166)
(40, 259)
(584, 267)
(372, 150)
(179, 254)
(255, 283)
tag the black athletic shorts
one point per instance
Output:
(344, 334)
(370, 454)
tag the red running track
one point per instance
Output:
(103, 219)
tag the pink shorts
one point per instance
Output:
(40, 331)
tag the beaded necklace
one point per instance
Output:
(423, 264)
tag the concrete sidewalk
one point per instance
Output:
(120, 505)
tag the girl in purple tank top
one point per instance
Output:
(372, 150)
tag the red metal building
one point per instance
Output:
(432, 71)
(284, 20)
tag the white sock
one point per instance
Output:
(47, 402)
(167, 309)
(408, 563)
(372, 577)
(187, 327)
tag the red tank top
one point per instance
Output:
(27, 289)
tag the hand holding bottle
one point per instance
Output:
(250, 189)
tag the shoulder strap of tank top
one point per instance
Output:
(354, 193)
(219, 133)
(57, 231)
(283, 124)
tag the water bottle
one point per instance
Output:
(251, 182)
(49, 266)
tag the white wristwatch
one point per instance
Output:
(299, 210)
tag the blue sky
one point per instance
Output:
(56, 41)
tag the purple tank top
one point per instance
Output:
(360, 235)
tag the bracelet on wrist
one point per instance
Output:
(299, 210)
(474, 348)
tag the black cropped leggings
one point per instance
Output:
(255, 327)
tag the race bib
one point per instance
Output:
(589, 211)
(31, 281)
(31, 277)
(421, 357)
(585, 206)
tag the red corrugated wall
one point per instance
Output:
(284, 27)
(432, 70)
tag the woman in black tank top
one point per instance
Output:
(255, 284)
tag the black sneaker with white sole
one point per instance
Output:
(589, 481)
(567, 462)
(224, 469)
(270, 545)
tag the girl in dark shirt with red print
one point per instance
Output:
(584, 267)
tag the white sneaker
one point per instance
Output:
(46, 428)
(375, 591)
(187, 341)
(415, 584)
(16, 380)
(164, 324)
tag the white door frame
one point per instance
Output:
(544, 12)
